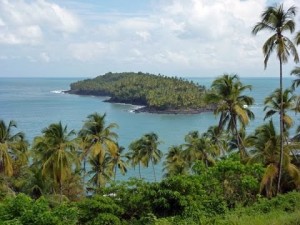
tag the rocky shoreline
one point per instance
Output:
(143, 108)
(172, 111)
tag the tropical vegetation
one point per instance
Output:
(157, 92)
(224, 175)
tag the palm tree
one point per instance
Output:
(12, 147)
(96, 139)
(296, 72)
(277, 20)
(199, 148)
(150, 151)
(227, 94)
(273, 106)
(118, 162)
(56, 153)
(175, 164)
(101, 137)
(101, 170)
(218, 138)
(134, 155)
(267, 151)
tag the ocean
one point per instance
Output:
(35, 103)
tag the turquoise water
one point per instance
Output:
(34, 103)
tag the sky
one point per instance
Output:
(86, 38)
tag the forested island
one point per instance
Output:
(158, 93)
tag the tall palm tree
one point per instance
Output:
(134, 155)
(296, 72)
(96, 139)
(56, 153)
(278, 21)
(273, 106)
(101, 170)
(101, 137)
(150, 151)
(198, 147)
(232, 105)
(218, 138)
(267, 151)
(175, 164)
(12, 147)
(118, 162)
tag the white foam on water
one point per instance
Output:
(58, 91)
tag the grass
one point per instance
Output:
(271, 218)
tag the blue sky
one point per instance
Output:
(86, 38)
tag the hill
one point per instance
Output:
(158, 93)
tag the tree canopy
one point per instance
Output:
(157, 92)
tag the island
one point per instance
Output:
(156, 93)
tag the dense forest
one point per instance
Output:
(158, 93)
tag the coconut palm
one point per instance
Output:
(101, 137)
(96, 139)
(13, 147)
(55, 152)
(150, 151)
(101, 170)
(218, 138)
(278, 21)
(134, 155)
(232, 105)
(296, 72)
(266, 150)
(175, 164)
(118, 162)
(273, 106)
(198, 147)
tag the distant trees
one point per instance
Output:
(144, 151)
(156, 92)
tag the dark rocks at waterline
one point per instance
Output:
(140, 102)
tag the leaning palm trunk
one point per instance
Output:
(281, 131)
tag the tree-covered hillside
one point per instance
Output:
(157, 92)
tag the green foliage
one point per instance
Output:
(99, 210)
(280, 210)
(130, 196)
(23, 210)
(157, 92)
(236, 182)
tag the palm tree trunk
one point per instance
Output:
(140, 170)
(220, 127)
(84, 173)
(115, 174)
(153, 170)
(60, 190)
(240, 145)
(281, 130)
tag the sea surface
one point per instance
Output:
(35, 103)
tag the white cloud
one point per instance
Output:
(89, 51)
(45, 57)
(27, 22)
(194, 37)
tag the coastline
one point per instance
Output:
(142, 108)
